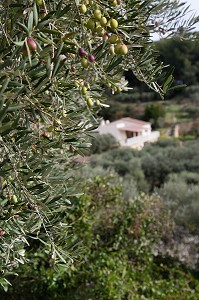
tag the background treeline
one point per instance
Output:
(184, 57)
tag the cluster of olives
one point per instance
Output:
(7, 193)
(84, 91)
(85, 62)
(98, 24)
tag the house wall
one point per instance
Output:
(112, 129)
(147, 130)
(116, 129)
(139, 141)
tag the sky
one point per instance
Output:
(194, 8)
(194, 5)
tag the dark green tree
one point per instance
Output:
(104, 142)
(183, 56)
(153, 113)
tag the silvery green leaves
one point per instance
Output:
(49, 96)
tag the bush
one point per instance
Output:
(153, 113)
(181, 193)
(104, 142)
(150, 167)
(161, 159)
(118, 238)
(125, 162)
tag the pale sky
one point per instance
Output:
(194, 5)
(194, 8)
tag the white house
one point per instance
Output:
(130, 132)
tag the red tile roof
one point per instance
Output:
(134, 121)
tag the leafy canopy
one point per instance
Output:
(50, 91)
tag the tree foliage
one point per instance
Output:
(50, 91)
(180, 193)
(118, 238)
(153, 113)
(103, 142)
(183, 56)
(153, 164)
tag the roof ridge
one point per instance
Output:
(133, 120)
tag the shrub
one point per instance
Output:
(118, 239)
(104, 142)
(153, 113)
(181, 193)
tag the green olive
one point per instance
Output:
(90, 24)
(100, 30)
(84, 90)
(14, 199)
(83, 8)
(113, 3)
(89, 102)
(117, 48)
(97, 14)
(112, 49)
(39, 2)
(114, 23)
(103, 21)
(98, 102)
(113, 39)
(123, 49)
(84, 63)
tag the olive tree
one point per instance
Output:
(55, 59)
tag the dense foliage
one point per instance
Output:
(183, 56)
(169, 165)
(56, 57)
(104, 142)
(118, 246)
(154, 113)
